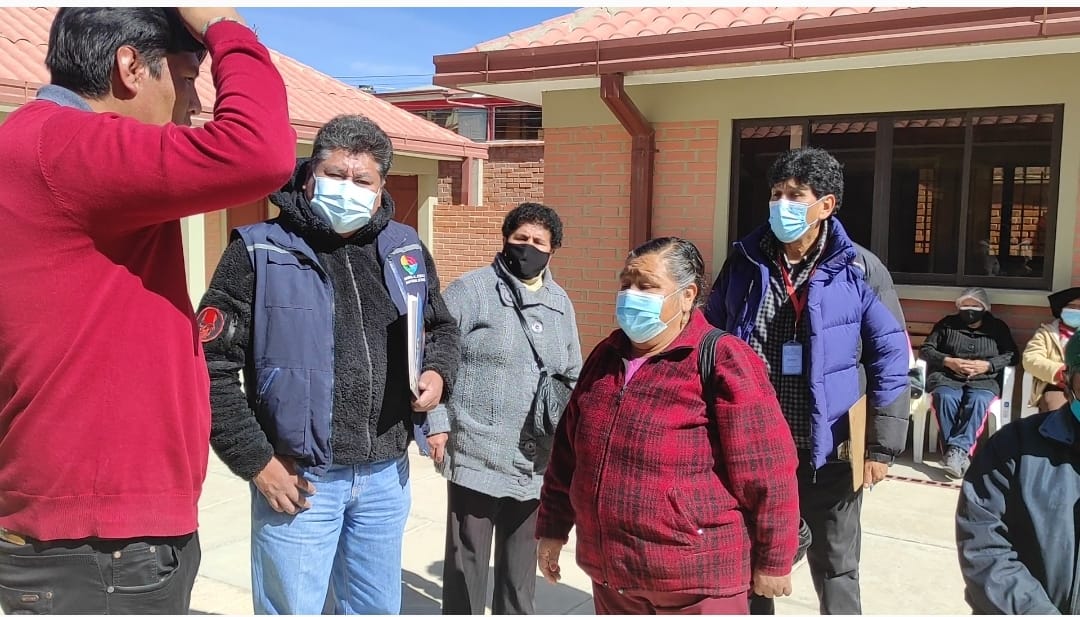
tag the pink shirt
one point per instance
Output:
(632, 367)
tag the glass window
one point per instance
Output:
(952, 198)
(518, 122)
(758, 148)
(925, 192)
(852, 143)
(471, 123)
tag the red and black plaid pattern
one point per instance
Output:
(663, 499)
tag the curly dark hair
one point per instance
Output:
(535, 213)
(813, 167)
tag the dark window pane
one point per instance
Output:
(852, 143)
(758, 148)
(522, 122)
(924, 207)
(471, 123)
(1010, 194)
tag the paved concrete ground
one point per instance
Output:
(909, 556)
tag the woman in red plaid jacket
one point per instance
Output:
(680, 507)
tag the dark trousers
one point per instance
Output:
(92, 576)
(607, 601)
(961, 415)
(472, 519)
(832, 509)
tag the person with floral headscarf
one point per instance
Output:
(1044, 355)
(965, 355)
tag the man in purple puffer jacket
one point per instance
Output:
(821, 311)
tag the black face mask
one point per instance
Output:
(970, 316)
(524, 261)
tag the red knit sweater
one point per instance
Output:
(104, 411)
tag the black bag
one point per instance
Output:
(706, 366)
(552, 389)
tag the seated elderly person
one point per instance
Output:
(1044, 356)
(965, 355)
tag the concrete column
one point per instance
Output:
(427, 196)
(193, 230)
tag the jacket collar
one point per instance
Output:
(838, 253)
(63, 97)
(1060, 426)
(513, 291)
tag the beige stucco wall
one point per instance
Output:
(986, 83)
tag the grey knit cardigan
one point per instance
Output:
(492, 447)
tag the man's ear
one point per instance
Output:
(129, 71)
(828, 206)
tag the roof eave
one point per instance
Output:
(896, 30)
(15, 93)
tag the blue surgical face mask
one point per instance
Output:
(788, 219)
(1071, 317)
(343, 204)
(1074, 407)
(638, 313)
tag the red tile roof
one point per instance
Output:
(597, 41)
(314, 98)
(605, 24)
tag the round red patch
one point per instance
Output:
(211, 324)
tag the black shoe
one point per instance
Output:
(952, 462)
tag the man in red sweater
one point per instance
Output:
(104, 410)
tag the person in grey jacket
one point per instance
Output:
(1017, 521)
(497, 452)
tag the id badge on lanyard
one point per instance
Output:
(791, 360)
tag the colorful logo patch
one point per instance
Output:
(211, 324)
(409, 263)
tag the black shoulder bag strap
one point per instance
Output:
(525, 327)
(706, 366)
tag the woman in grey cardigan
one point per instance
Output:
(498, 451)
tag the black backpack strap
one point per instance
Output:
(707, 365)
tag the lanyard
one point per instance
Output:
(797, 300)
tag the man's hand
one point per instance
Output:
(547, 558)
(772, 586)
(437, 444)
(978, 367)
(197, 19)
(282, 486)
(431, 388)
(874, 472)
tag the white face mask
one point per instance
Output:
(343, 204)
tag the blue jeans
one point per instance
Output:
(344, 551)
(961, 415)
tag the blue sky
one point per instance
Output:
(389, 48)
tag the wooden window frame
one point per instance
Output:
(883, 150)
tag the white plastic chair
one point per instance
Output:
(1027, 384)
(923, 421)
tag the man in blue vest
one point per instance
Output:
(312, 307)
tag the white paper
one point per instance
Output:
(415, 340)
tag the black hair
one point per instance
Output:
(682, 259)
(535, 213)
(813, 167)
(355, 134)
(83, 43)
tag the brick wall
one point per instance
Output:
(467, 237)
(587, 178)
